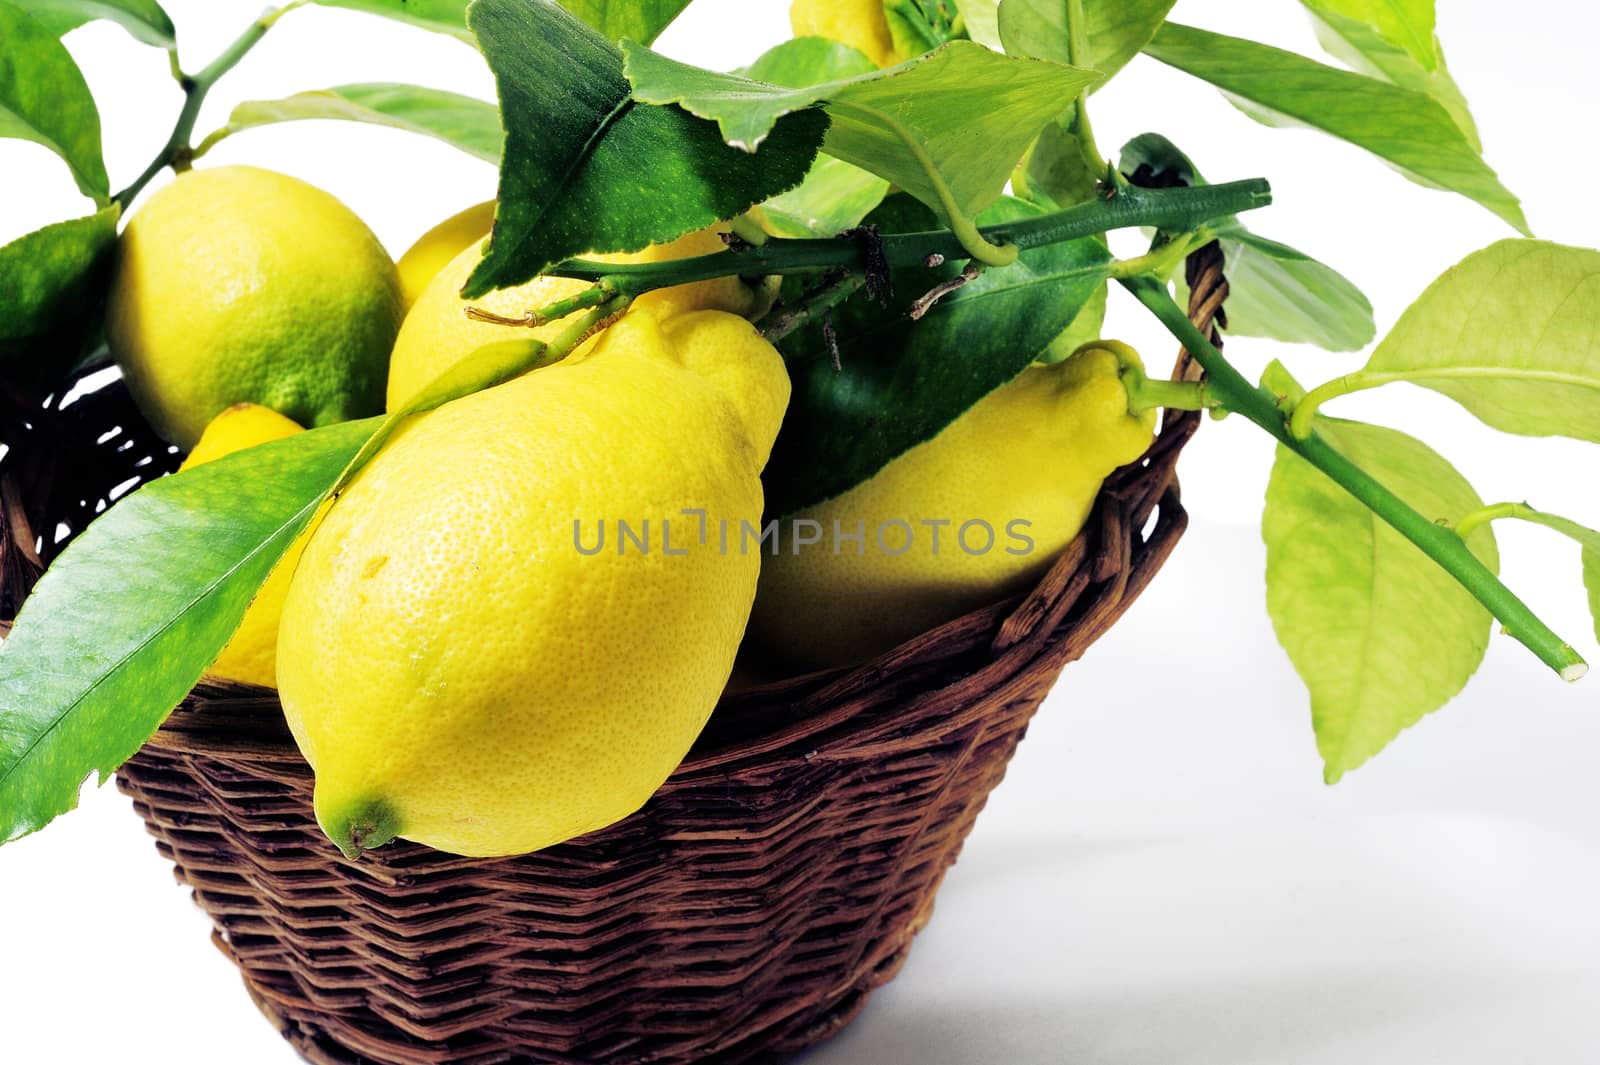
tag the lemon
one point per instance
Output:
(251, 655)
(1012, 481)
(459, 663)
(861, 24)
(434, 249)
(437, 333)
(239, 285)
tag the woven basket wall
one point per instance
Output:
(746, 912)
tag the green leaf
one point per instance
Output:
(463, 122)
(835, 195)
(1380, 634)
(635, 20)
(901, 381)
(439, 16)
(1402, 25)
(1409, 130)
(1057, 170)
(918, 26)
(44, 99)
(1363, 49)
(1274, 291)
(981, 18)
(1591, 585)
(144, 19)
(54, 280)
(587, 169)
(1512, 333)
(1116, 31)
(123, 624)
(1280, 293)
(914, 125)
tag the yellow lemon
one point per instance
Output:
(251, 655)
(512, 625)
(861, 24)
(437, 333)
(239, 285)
(968, 517)
(434, 249)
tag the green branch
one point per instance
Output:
(1172, 210)
(177, 151)
(1440, 543)
(1078, 56)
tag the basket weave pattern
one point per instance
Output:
(745, 913)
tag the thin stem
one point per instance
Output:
(1440, 543)
(1361, 380)
(965, 230)
(1150, 393)
(812, 305)
(1078, 55)
(593, 296)
(1173, 210)
(176, 152)
(1523, 512)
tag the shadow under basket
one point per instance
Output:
(746, 912)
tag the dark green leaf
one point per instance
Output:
(635, 20)
(439, 16)
(835, 195)
(1512, 333)
(902, 381)
(123, 624)
(1116, 30)
(460, 121)
(1363, 49)
(1274, 290)
(54, 280)
(1380, 633)
(43, 98)
(1409, 130)
(588, 169)
(914, 125)
(144, 19)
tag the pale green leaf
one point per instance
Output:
(1361, 48)
(634, 20)
(835, 194)
(981, 19)
(143, 19)
(44, 99)
(463, 122)
(1591, 585)
(1274, 291)
(896, 123)
(1057, 169)
(1409, 130)
(1115, 30)
(1280, 293)
(1512, 333)
(1380, 634)
(918, 26)
(123, 624)
(1406, 25)
(439, 16)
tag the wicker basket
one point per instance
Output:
(746, 912)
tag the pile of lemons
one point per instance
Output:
(457, 664)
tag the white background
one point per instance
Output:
(1162, 878)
